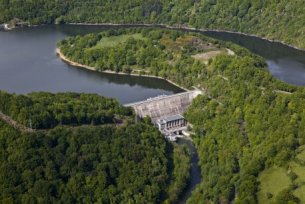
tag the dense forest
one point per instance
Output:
(246, 126)
(47, 110)
(100, 163)
(275, 19)
(246, 123)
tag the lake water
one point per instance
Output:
(28, 63)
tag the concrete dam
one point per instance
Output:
(164, 106)
(166, 112)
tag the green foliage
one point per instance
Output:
(272, 181)
(83, 165)
(285, 197)
(149, 51)
(274, 19)
(180, 174)
(46, 110)
(246, 121)
(244, 125)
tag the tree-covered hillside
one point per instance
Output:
(106, 162)
(47, 110)
(275, 19)
(245, 125)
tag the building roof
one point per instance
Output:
(173, 118)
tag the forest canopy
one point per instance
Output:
(89, 157)
(46, 110)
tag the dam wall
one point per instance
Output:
(164, 106)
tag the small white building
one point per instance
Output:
(172, 125)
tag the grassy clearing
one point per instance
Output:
(300, 193)
(115, 40)
(272, 180)
(204, 57)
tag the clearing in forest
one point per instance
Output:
(204, 57)
(275, 179)
(272, 181)
(115, 40)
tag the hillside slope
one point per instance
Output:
(81, 152)
(248, 127)
(273, 19)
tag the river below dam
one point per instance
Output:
(28, 63)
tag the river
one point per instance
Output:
(195, 173)
(284, 62)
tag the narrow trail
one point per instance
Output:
(15, 124)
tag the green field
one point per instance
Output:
(275, 179)
(272, 180)
(115, 40)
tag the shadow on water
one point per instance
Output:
(195, 170)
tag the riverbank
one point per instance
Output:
(179, 27)
(70, 62)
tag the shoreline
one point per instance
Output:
(191, 29)
(75, 64)
(179, 27)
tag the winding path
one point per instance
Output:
(15, 124)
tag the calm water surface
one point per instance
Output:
(28, 63)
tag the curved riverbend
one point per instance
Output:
(28, 63)
(285, 62)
